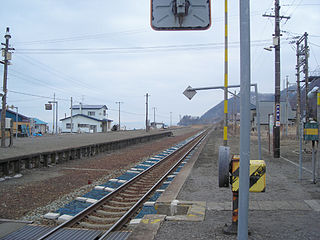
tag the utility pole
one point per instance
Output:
(306, 72)
(235, 114)
(170, 119)
(56, 117)
(287, 99)
(276, 42)
(147, 127)
(298, 112)
(225, 129)
(302, 66)
(119, 114)
(7, 57)
(53, 112)
(154, 115)
(71, 120)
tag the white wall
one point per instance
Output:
(80, 120)
(98, 113)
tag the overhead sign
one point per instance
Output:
(189, 93)
(48, 106)
(180, 14)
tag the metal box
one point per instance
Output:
(257, 175)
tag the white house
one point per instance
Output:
(88, 119)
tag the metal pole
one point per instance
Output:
(17, 123)
(53, 109)
(56, 117)
(287, 103)
(235, 116)
(170, 119)
(306, 73)
(298, 113)
(4, 97)
(71, 120)
(147, 95)
(276, 127)
(314, 180)
(258, 120)
(154, 115)
(225, 129)
(244, 118)
(300, 149)
(119, 115)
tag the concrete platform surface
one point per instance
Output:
(289, 209)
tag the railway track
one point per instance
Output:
(111, 212)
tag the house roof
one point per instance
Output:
(38, 121)
(14, 113)
(89, 106)
(82, 115)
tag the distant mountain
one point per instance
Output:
(215, 114)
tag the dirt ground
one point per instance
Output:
(39, 191)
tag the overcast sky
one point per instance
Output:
(103, 52)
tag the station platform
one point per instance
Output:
(194, 207)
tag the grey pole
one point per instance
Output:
(287, 99)
(4, 96)
(56, 117)
(119, 115)
(147, 128)
(314, 180)
(53, 109)
(244, 118)
(258, 119)
(17, 123)
(71, 120)
(300, 148)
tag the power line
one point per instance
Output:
(184, 47)
(314, 44)
(35, 95)
(79, 37)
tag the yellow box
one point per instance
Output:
(257, 175)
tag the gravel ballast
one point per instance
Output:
(44, 190)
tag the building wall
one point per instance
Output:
(267, 108)
(98, 113)
(81, 120)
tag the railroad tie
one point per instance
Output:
(95, 226)
(110, 213)
(102, 219)
(115, 208)
(121, 204)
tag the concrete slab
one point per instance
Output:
(314, 204)
(279, 213)
(147, 228)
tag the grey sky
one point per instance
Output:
(120, 58)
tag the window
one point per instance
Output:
(83, 125)
(91, 113)
(68, 125)
(104, 112)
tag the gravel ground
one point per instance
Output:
(282, 185)
(43, 190)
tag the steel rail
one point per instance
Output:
(100, 202)
(124, 218)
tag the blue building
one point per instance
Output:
(19, 121)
